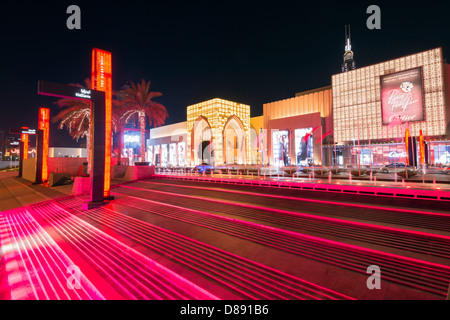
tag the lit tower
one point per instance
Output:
(349, 62)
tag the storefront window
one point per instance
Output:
(440, 153)
(378, 155)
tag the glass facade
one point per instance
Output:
(439, 152)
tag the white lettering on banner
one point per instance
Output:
(401, 100)
(405, 117)
(395, 154)
(84, 94)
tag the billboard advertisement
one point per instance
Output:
(402, 97)
(181, 154)
(150, 154)
(164, 155)
(132, 140)
(173, 154)
(304, 146)
(280, 143)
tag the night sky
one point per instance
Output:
(253, 52)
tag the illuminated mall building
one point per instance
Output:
(360, 119)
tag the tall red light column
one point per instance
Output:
(24, 139)
(101, 79)
(421, 148)
(44, 125)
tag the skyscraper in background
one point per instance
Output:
(349, 62)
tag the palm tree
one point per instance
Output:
(137, 100)
(76, 117)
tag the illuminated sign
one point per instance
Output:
(396, 154)
(101, 79)
(44, 121)
(131, 138)
(63, 91)
(24, 139)
(402, 96)
(84, 93)
(22, 130)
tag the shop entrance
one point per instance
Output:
(202, 142)
(234, 141)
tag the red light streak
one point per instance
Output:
(201, 256)
(289, 241)
(346, 204)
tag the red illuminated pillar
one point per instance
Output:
(101, 79)
(407, 145)
(44, 125)
(421, 148)
(24, 139)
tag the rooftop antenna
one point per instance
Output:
(348, 45)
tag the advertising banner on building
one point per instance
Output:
(303, 146)
(157, 155)
(402, 96)
(280, 143)
(181, 154)
(150, 154)
(173, 154)
(132, 140)
(164, 155)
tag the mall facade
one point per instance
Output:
(364, 117)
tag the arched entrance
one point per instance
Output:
(234, 141)
(201, 142)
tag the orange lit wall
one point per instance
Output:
(24, 139)
(44, 117)
(318, 100)
(102, 81)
